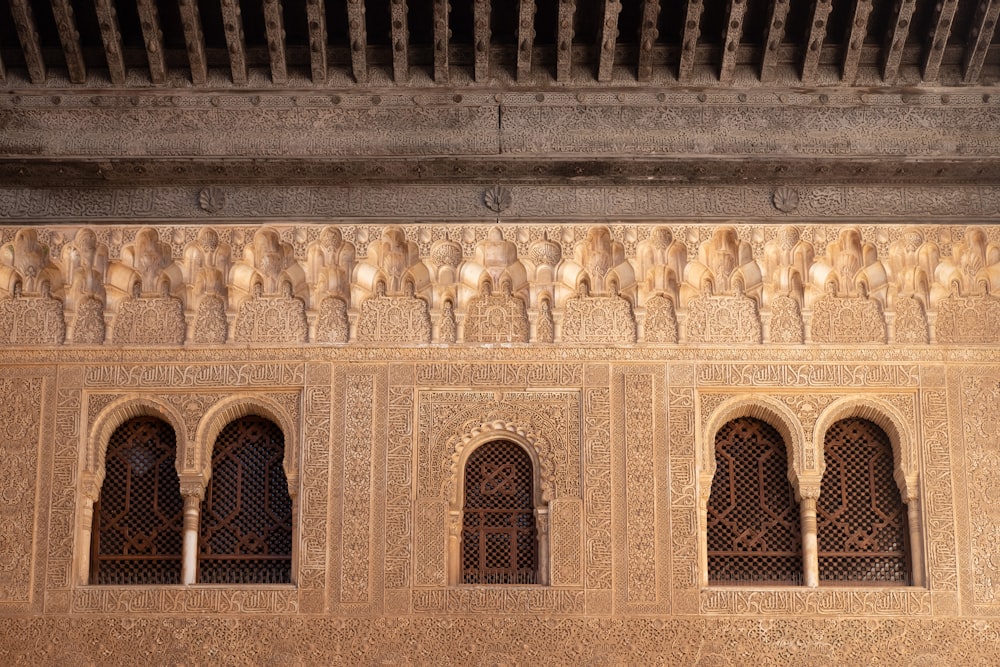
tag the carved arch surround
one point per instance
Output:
(113, 416)
(542, 491)
(242, 405)
(766, 409)
(891, 421)
(524, 437)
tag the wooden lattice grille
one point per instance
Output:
(140, 513)
(499, 541)
(246, 520)
(754, 530)
(860, 514)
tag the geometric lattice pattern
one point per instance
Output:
(246, 518)
(498, 523)
(754, 530)
(140, 514)
(860, 514)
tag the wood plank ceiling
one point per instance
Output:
(296, 43)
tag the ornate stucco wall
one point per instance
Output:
(634, 343)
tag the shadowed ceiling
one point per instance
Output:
(359, 43)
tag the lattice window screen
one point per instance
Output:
(753, 519)
(860, 514)
(246, 520)
(499, 540)
(140, 514)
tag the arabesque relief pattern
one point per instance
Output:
(376, 430)
(628, 548)
(510, 283)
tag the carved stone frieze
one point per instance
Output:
(32, 321)
(598, 319)
(394, 319)
(279, 319)
(149, 321)
(496, 318)
(458, 202)
(838, 319)
(723, 319)
(968, 319)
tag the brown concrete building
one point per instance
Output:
(582, 332)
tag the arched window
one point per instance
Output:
(860, 516)
(499, 539)
(140, 512)
(753, 520)
(246, 519)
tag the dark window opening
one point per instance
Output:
(499, 539)
(753, 519)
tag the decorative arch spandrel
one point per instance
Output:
(224, 412)
(887, 417)
(802, 460)
(110, 418)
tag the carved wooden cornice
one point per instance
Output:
(751, 135)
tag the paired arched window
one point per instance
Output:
(499, 536)
(140, 514)
(860, 516)
(246, 519)
(753, 519)
(245, 529)
(753, 527)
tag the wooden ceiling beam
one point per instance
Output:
(983, 27)
(814, 45)
(899, 29)
(194, 38)
(648, 33)
(316, 20)
(778, 18)
(564, 39)
(525, 39)
(855, 40)
(400, 41)
(482, 34)
(274, 29)
(111, 36)
(149, 19)
(939, 38)
(609, 39)
(736, 10)
(232, 25)
(27, 33)
(358, 35)
(689, 43)
(442, 40)
(69, 37)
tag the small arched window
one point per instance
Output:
(754, 532)
(246, 519)
(140, 512)
(499, 538)
(860, 516)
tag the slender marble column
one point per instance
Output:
(86, 534)
(454, 547)
(542, 528)
(192, 519)
(916, 544)
(810, 546)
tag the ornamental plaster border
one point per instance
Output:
(523, 436)
(113, 416)
(888, 418)
(242, 405)
(768, 410)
